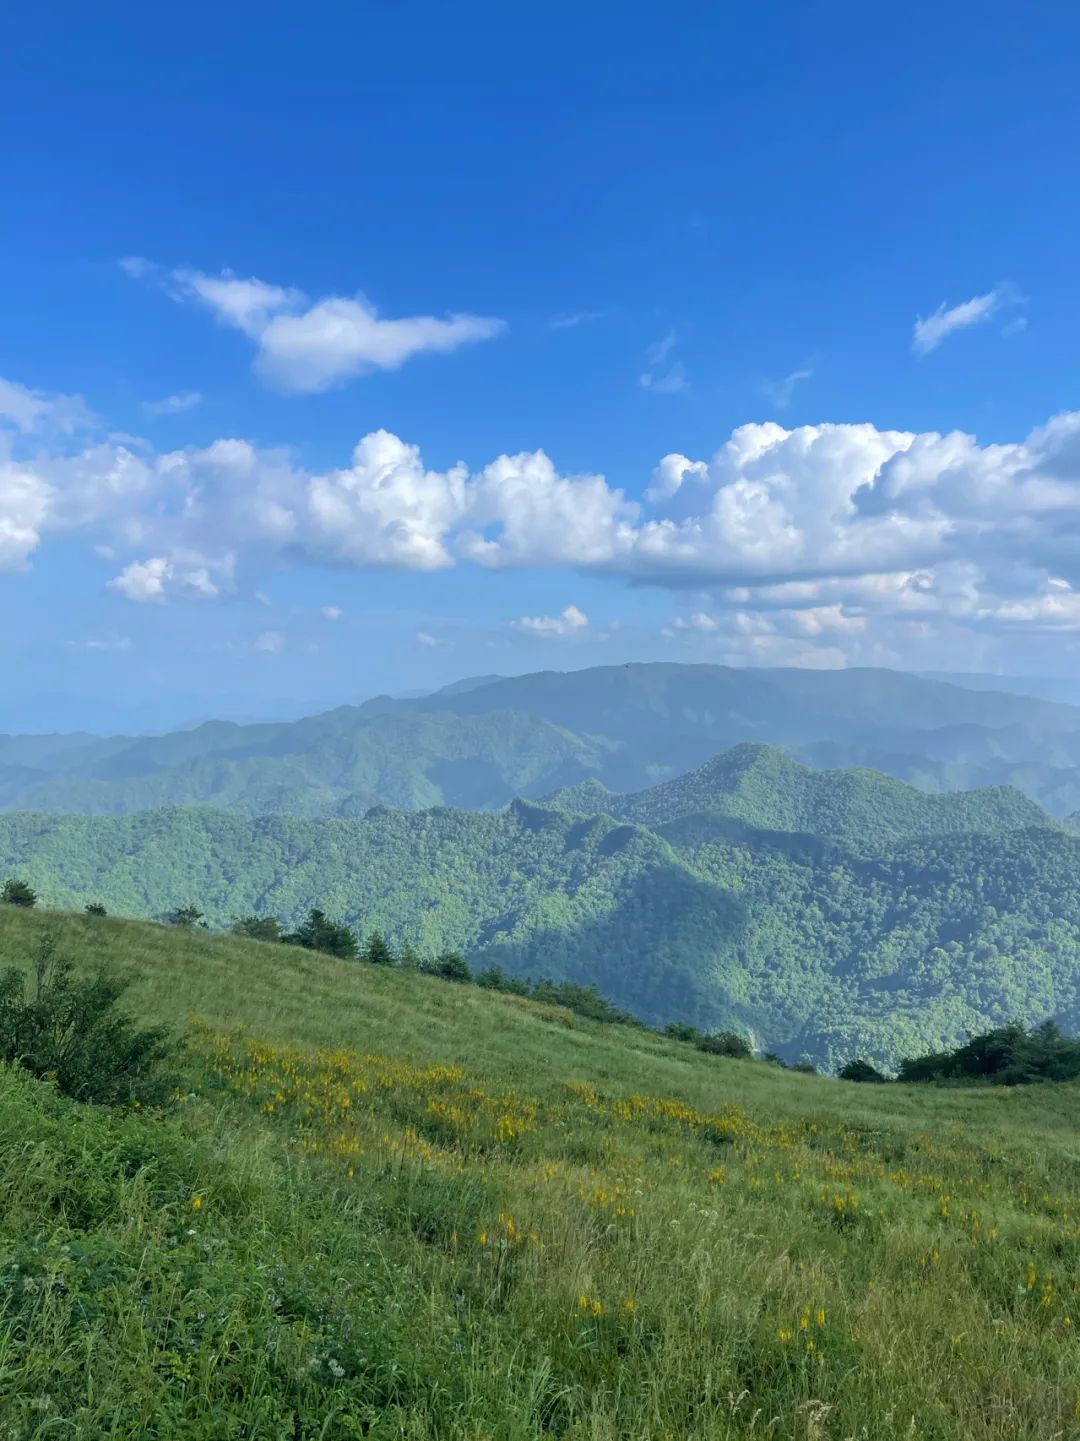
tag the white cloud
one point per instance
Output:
(931, 331)
(104, 643)
(307, 346)
(38, 410)
(780, 392)
(663, 378)
(572, 321)
(270, 641)
(331, 612)
(429, 641)
(699, 621)
(174, 404)
(162, 577)
(553, 627)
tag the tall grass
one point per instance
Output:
(393, 1207)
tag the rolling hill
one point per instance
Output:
(821, 913)
(386, 1206)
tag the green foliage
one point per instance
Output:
(258, 928)
(897, 923)
(857, 1070)
(1009, 1055)
(185, 917)
(95, 908)
(451, 966)
(668, 1247)
(318, 933)
(725, 1043)
(17, 893)
(69, 1030)
(376, 951)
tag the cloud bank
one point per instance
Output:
(831, 536)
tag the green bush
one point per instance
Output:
(861, 1071)
(319, 934)
(186, 917)
(258, 928)
(726, 1043)
(95, 908)
(17, 893)
(70, 1031)
(451, 966)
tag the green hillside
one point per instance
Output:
(811, 946)
(765, 787)
(397, 1208)
(478, 744)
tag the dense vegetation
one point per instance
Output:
(479, 744)
(397, 1208)
(765, 787)
(811, 947)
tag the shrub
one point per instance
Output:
(861, 1071)
(186, 917)
(491, 978)
(258, 928)
(451, 967)
(1008, 1056)
(69, 1031)
(95, 908)
(726, 1043)
(680, 1031)
(17, 893)
(319, 934)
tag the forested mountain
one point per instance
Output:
(765, 787)
(480, 742)
(812, 944)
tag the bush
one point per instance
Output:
(491, 978)
(680, 1031)
(70, 1031)
(319, 934)
(17, 893)
(451, 967)
(1006, 1056)
(95, 908)
(726, 1043)
(186, 917)
(258, 928)
(861, 1071)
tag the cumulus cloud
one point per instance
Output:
(39, 410)
(331, 612)
(822, 536)
(307, 345)
(571, 622)
(930, 331)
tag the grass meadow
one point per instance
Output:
(388, 1206)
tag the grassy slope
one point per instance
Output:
(803, 1258)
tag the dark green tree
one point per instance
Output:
(377, 951)
(186, 917)
(258, 928)
(95, 908)
(451, 966)
(861, 1071)
(17, 893)
(318, 933)
(726, 1043)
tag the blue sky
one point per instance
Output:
(735, 333)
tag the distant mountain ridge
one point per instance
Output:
(820, 944)
(480, 742)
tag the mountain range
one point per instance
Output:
(480, 743)
(820, 912)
